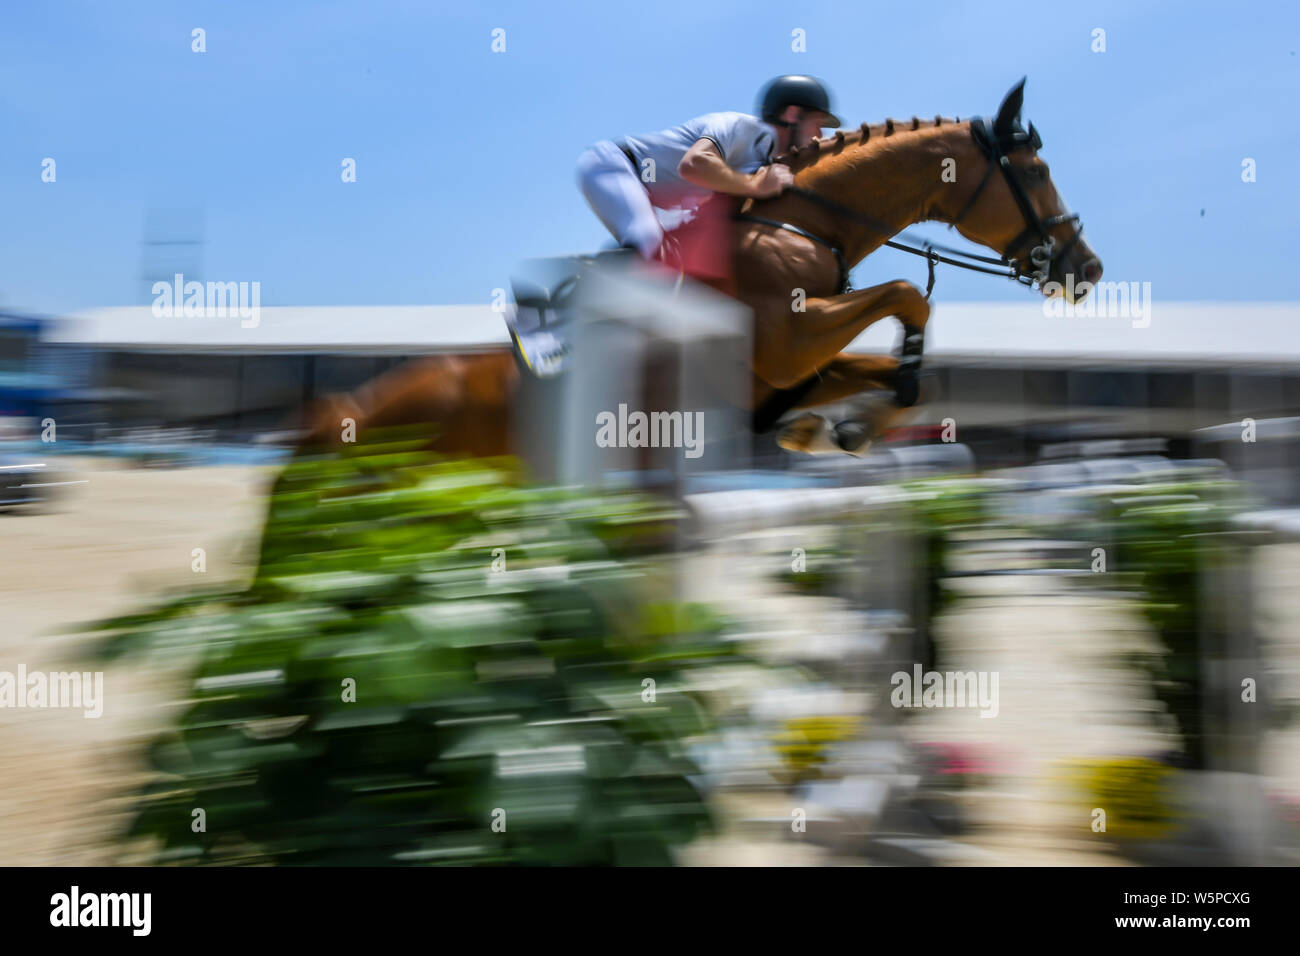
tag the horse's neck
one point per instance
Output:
(891, 182)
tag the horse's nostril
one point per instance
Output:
(1092, 270)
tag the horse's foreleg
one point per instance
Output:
(790, 346)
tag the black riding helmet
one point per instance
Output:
(794, 90)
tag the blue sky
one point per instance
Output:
(465, 157)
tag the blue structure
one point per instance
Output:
(29, 378)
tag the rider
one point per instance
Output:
(679, 168)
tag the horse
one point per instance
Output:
(852, 192)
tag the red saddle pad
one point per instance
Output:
(703, 245)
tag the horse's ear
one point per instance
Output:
(1009, 111)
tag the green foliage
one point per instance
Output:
(822, 569)
(933, 512)
(1166, 537)
(478, 688)
(941, 509)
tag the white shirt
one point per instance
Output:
(745, 142)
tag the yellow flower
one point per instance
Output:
(804, 741)
(1135, 792)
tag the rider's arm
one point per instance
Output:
(704, 166)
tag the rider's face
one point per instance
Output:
(809, 125)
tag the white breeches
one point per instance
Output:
(614, 191)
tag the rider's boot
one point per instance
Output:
(617, 253)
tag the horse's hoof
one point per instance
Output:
(853, 437)
(810, 434)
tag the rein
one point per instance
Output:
(1041, 255)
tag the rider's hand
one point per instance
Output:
(770, 181)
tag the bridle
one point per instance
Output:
(996, 147)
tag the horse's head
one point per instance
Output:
(1016, 210)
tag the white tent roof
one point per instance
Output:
(1179, 332)
(377, 328)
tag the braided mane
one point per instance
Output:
(801, 157)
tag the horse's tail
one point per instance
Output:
(462, 400)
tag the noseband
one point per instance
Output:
(995, 147)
